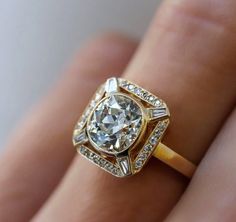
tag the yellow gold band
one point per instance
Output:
(174, 160)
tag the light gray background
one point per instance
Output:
(37, 37)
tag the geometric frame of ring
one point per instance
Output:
(132, 150)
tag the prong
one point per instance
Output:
(111, 85)
(158, 112)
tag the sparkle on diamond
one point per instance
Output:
(115, 123)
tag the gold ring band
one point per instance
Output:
(174, 160)
(122, 127)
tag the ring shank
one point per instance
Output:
(174, 160)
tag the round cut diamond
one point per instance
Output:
(115, 124)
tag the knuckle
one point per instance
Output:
(213, 16)
(203, 30)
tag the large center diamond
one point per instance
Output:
(115, 124)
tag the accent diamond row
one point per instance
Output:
(140, 92)
(99, 161)
(150, 145)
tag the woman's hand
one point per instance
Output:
(187, 58)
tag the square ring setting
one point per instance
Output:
(121, 127)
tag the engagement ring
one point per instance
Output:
(122, 127)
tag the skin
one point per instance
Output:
(187, 58)
(211, 196)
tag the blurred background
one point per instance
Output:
(37, 39)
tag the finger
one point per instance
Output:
(211, 196)
(40, 150)
(187, 58)
(190, 63)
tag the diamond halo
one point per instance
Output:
(121, 127)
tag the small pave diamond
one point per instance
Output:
(138, 163)
(152, 143)
(131, 87)
(151, 98)
(115, 124)
(153, 140)
(140, 92)
(147, 148)
(157, 102)
(99, 161)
